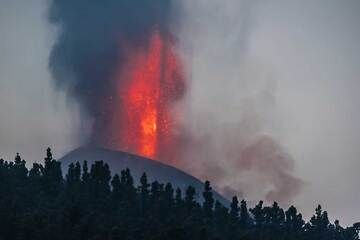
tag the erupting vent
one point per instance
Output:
(148, 84)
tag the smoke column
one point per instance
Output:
(118, 59)
(121, 61)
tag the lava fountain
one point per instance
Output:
(147, 86)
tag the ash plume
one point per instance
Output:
(233, 119)
(230, 139)
(88, 49)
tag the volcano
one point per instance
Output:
(155, 170)
(139, 115)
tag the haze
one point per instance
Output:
(294, 65)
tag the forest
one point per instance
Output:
(89, 203)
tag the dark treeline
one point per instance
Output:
(91, 204)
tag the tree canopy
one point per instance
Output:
(91, 203)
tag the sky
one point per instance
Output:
(33, 114)
(294, 65)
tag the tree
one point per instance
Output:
(276, 215)
(258, 213)
(129, 189)
(117, 190)
(20, 169)
(100, 177)
(208, 202)
(97, 205)
(293, 221)
(155, 191)
(144, 193)
(234, 210)
(144, 185)
(85, 173)
(244, 215)
(220, 217)
(35, 173)
(73, 175)
(319, 224)
(52, 175)
(189, 199)
(178, 198)
(168, 198)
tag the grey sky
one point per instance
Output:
(314, 50)
(294, 64)
(33, 116)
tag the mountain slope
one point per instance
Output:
(155, 170)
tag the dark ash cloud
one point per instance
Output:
(90, 44)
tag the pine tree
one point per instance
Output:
(178, 198)
(20, 169)
(35, 172)
(244, 215)
(144, 193)
(85, 173)
(117, 190)
(168, 197)
(293, 220)
(319, 224)
(97, 206)
(220, 217)
(234, 210)
(189, 199)
(52, 175)
(277, 215)
(155, 192)
(144, 185)
(208, 203)
(258, 213)
(129, 190)
(73, 175)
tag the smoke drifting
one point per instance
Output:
(119, 60)
(231, 105)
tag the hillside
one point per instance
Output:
(156, 171)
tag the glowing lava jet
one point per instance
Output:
(148, 84)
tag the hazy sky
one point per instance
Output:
(296, 64)
(33, 116)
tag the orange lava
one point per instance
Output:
(148, 85)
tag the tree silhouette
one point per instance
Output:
(208, 203)
(40, 203)
(244, 215)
